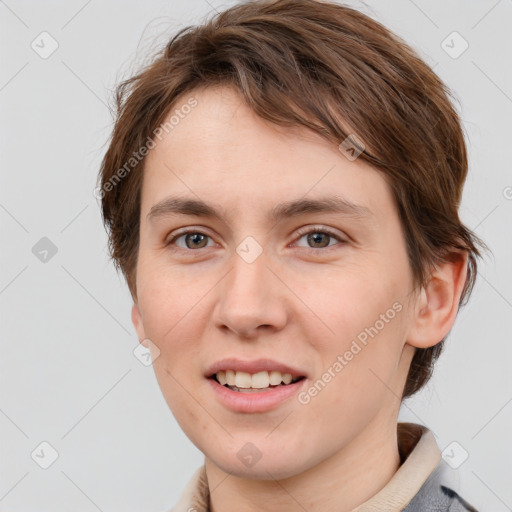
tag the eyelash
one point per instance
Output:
(301, 232)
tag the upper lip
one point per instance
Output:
(254, 366)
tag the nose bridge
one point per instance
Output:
(250, 295)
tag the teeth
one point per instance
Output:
(275, 378)
(287, 378)
(243, 380)
(230, 377)
(258, 380)
(221, 377)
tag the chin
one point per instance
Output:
(270, 468)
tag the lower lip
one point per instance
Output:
(255, 401)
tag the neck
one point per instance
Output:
(342, 482)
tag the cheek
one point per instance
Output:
(355, 381)
(180, 397)
(167, 298)
(172, 321)
(364, 312)
(350, 302)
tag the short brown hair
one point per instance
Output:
(329, 68)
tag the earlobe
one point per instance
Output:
(438, 304)
(137, 323)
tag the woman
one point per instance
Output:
(281, 193)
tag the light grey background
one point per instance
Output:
(68, 373)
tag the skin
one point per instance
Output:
(298, 302)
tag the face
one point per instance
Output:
(324, 291)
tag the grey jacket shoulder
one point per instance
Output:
(436, 495)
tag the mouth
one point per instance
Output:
(244, 382)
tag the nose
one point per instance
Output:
(252, 299)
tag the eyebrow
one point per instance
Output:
(175, 205)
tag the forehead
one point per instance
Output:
(221, 150)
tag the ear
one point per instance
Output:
(137, 322)
(438, 303)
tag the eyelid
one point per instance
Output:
(170, 239)
(320, 229)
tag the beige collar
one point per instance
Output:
(418, 450)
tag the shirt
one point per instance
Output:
(422, 483)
